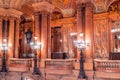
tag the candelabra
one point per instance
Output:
(35, 45)
(4, 47)
(81, 45)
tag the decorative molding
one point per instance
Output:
(60, 22)
(68, 12)
(10, 12)
(43, 6)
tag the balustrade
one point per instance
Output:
(19, 64)
(59, 64)
(107, 65)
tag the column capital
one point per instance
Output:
(81, 1)
(90, 6)
(80, 5)
(43, 6)
(36, 13)
(44, 13)
(11, 18)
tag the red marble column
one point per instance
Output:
(45, 7)
(11, 37)
(45, 37)
(89, 30)
(37, 30)
(17, 39)
(0, 33)
(80, 24)
(49, 36)
(64, 31)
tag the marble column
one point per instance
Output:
(49, 36)
(89, 30)
(44, 34)
(17, 45)
(37, 30)
(37, 26)
(5, 28)
(45, 8)
(80, 22)
(64, 32)
(11, 37)
(1, 33)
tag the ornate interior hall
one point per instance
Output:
(59, 39)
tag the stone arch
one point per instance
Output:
(56, 14)
(110, 3)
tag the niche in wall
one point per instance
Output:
(56, 39)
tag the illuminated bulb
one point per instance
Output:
(4, 40)
(35, 38)
(81, 34)
(10, 44)
(31, 43)
(72, 34)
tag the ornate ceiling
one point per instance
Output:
(66, 7)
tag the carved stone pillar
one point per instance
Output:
(5, 28)
(37, 29)
(44, 34)
(11, 37)
(9, 16)
(89, 30)
(80, 22)
(37, 26)
(17, 45)
(44, 8)
(64, 31)
(49, 35)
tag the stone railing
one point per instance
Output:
(16, 64)
(63, 64)
(59, 66)
(107, 65)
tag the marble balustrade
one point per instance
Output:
(107, 65)
(16, 64)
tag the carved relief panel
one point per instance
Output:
(101, 35)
